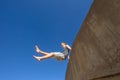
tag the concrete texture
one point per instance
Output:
(96, 50)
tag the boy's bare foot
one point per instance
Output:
(38, 58)
(37, 49)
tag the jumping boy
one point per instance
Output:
(60, 56)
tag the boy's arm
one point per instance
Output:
(69, 47)
(70, 50)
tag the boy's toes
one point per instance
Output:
(36, 57)
(37, 49)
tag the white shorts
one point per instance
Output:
(59, 56)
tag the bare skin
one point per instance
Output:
(43, 57)
(39, 51)
(46, 55)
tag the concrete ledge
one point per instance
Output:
(96, 48)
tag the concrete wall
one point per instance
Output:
(96, 50)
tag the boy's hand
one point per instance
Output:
(68, 58)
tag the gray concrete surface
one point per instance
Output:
(96, 49)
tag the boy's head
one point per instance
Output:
(63, 44)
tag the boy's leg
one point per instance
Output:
(44, 57)
(39, 51)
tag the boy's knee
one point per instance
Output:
(52, 53)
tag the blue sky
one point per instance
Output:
(25, 23)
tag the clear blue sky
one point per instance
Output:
(25, 23)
